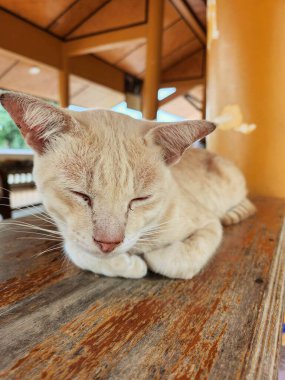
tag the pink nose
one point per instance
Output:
(107, 246)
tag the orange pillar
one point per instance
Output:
(153, 58)
(246, 68)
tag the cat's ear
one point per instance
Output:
(39, 122)
(174, 138)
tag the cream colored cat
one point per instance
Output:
(119, 193)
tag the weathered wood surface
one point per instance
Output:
(58, 322)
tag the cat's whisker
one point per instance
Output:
(146, 242)
(30, 226)
(53, 248)
(38, 238)
(37, 229)
(40, 214)
(23, 230)
(35, 235)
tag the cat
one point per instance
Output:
(120, 192)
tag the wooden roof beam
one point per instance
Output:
(31, 44)
(190, 19)
(187, 83)
(105, 41)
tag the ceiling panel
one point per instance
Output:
(115, 14)
(40, 12)
(96, 96)
(181, 53)
(176, 36)
(6, 63)
(75, 16)
(18, 79)
(189, 68)
(170, 14)
(115, 55)
(134, 63)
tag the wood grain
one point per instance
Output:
(58, 322)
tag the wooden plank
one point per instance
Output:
(59, 322)
(105, 41)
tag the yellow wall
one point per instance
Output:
(246, 66)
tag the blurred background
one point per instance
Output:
(105, 74)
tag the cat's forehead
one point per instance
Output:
(106, 156)
(107, 120)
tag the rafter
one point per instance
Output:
(186, 13)
(105, 41)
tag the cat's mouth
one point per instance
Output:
(124, 247)
(131, 244)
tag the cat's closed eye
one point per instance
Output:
(140, 199)
(83, 196)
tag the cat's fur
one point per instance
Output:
(114, 159)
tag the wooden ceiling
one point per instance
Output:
(15, 75)
(183, 52)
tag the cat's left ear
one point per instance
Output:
(39, 122)
(174, 138)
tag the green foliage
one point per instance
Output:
(10, 136)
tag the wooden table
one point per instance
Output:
(58, 322)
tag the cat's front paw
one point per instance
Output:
(128, 266)
(172, 261)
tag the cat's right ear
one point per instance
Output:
(39, 122)
(174, 138)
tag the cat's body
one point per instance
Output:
(205, 192)
(120, 195)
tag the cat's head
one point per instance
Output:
(103, 176)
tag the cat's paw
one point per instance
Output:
(172, 261)
(128, 266)
(123, 265)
